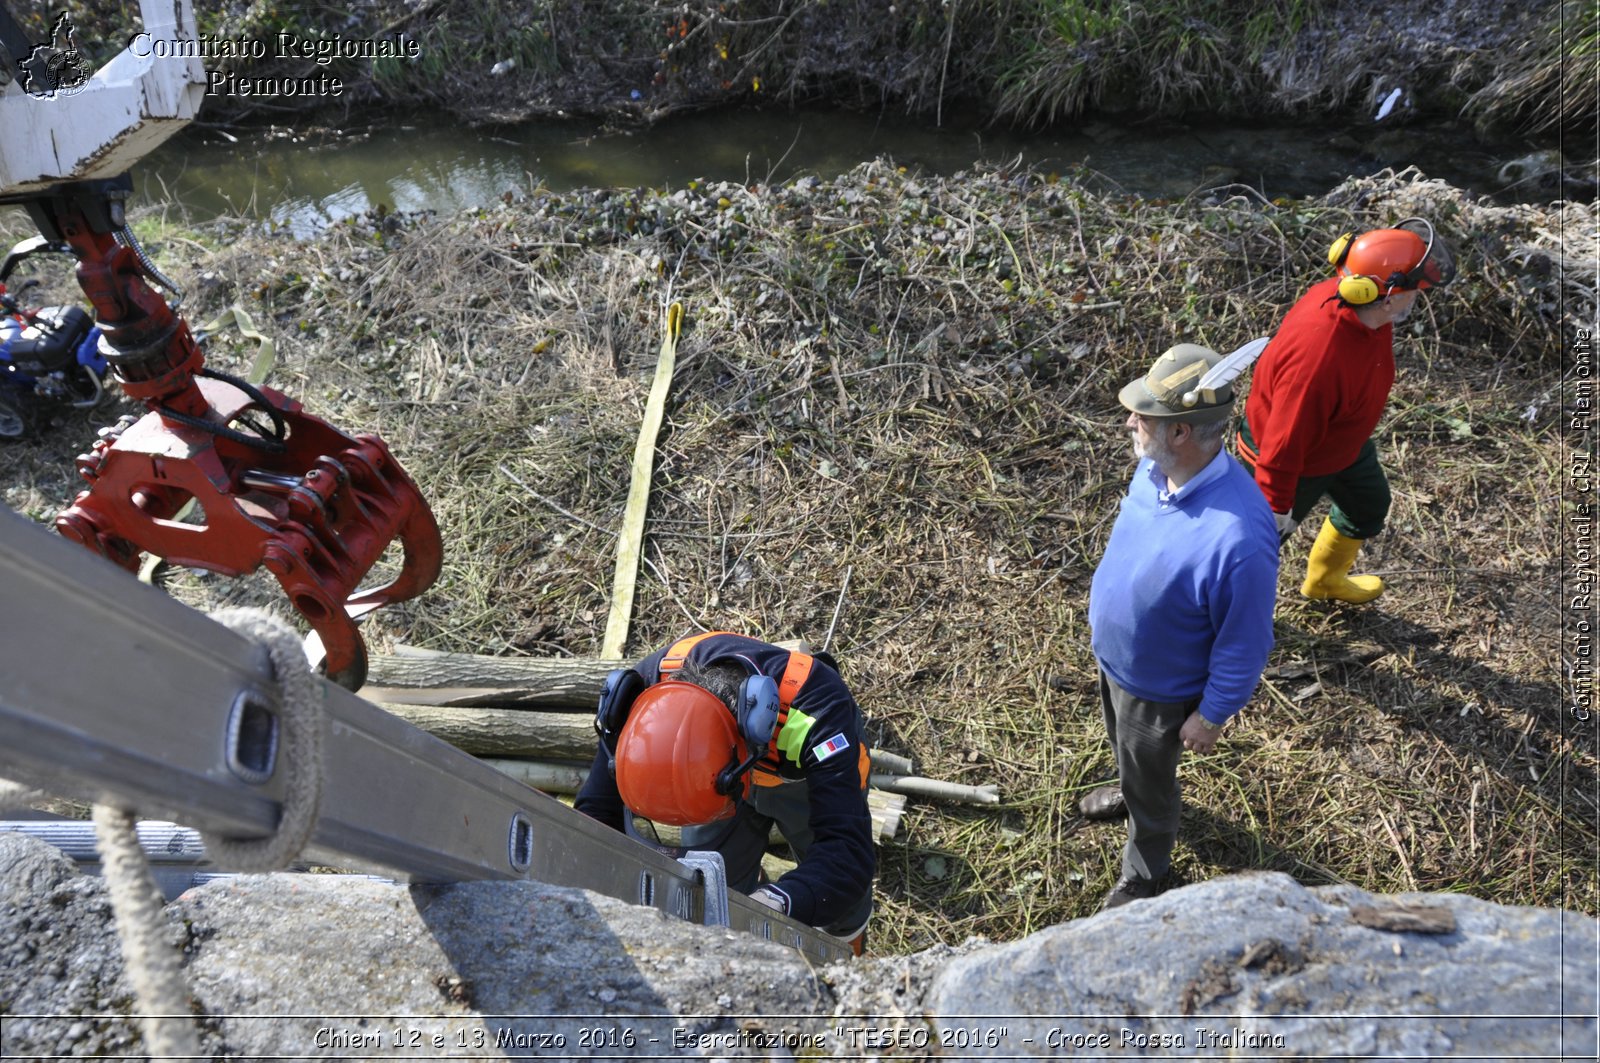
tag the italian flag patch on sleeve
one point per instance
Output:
(833, 745)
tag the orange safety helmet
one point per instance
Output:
(678, 743)
(1405, 258)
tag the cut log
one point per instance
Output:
(558, 777)
(891, 763)
(550, 776)
(505, 732)
(491, 732)
(960, 793)
(429, 678)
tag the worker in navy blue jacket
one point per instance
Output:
(1180, 607)
(725, 736)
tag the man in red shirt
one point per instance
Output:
(1319, 389)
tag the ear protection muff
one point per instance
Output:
(1340, 250)
(1357, 290)
(617, 695)
(756, 713)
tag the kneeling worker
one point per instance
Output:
(725, 735)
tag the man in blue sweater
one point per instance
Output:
(1180, 608)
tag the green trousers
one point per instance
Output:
(1359, 492)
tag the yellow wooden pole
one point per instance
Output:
(629, 542)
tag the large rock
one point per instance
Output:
(1259, 965)
(324, 966)
(479, 968)
(334, 966)
(58, 955)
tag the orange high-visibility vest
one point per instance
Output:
(795, 675)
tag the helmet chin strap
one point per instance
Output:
(728, 778)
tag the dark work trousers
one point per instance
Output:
(1359, 492)
(744, 841)
(1144, 738)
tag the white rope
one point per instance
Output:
(14, 795)
(159, 987)
(136, 901)
(153, 969)
(299, 747)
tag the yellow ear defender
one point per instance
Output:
(1357, 290)
(1340, 248)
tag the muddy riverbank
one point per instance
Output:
(1510, 69)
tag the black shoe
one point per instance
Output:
(1103, 803)
(1128, 890)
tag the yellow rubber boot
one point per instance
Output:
(1328, 569)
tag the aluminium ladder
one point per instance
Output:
(111, 691)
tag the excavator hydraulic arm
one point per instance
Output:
(271, 485)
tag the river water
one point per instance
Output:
(302, 182)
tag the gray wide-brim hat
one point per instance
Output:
(1169, 389)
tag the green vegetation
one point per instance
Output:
(1097, 54)
(524, 38)
(1547, 82)
(1024, 62)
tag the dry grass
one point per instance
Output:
(909, 385)
(1545, 82)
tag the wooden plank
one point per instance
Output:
(887, 812)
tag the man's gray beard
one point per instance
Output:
(1402, 315)
(1159, 453)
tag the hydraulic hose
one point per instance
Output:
(126, 238)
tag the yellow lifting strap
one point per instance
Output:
(266, 350)
(630, 541)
